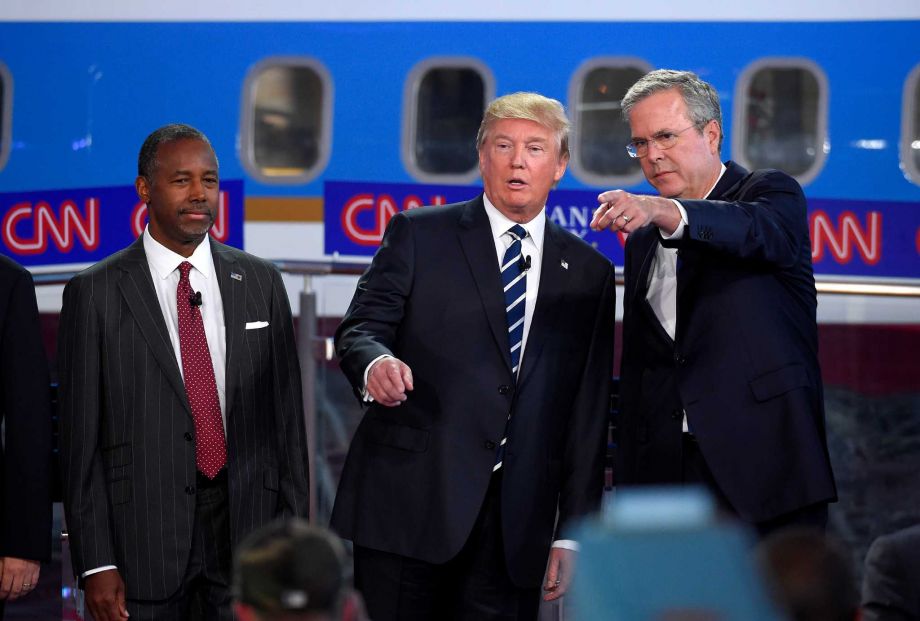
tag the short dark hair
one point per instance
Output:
(147, 158)
(809, 575)
(289, 567)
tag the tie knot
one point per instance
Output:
(184, 268)
(517, 232)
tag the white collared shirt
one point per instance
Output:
(531, 246)
(662, 277)
(164, 271)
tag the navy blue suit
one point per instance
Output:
(25, 409)
(417, 474)
(744, 361)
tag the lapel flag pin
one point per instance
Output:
(236, 276)
(565, 264)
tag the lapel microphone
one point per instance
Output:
(524, 263)
(195, 299)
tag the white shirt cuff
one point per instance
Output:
(567, 544)
(679, 231)
(367, 398)
(97, 570)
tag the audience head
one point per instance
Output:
(810, 576)
(291, 571)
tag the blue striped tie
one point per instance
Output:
(514, 281)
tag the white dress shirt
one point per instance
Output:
(662, 276)
(531, 246)
(164, 270)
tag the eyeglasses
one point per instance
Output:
(663, 140)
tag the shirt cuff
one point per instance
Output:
(679, 231)
(97, 570)
(567, 544)
(367, 398)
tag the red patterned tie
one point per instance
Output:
(210, 445)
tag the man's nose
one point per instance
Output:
(196, 190)
(655, 152)
(517, 157)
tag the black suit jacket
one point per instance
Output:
(743, 364)
(127, 429)
(25, 409)
(891, 585)
(416, 474)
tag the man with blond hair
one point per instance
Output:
(481, 339)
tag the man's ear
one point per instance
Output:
(713, 133)
(142, 188)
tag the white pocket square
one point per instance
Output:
(255, 325)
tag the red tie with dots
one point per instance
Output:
(210, 445)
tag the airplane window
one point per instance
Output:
(910, 135)
(6, 113)
(287, 112)
(444, 102)
(780, 117)
(599, 132)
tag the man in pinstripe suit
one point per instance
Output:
(153, 509)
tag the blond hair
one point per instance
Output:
(530, 107)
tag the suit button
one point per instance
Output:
(677, 414)
(190, 489)
(504, 389)
(188, 436)
(489, 444)
(679, 360)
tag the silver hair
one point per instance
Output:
(701, 98)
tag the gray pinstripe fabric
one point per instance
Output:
(127, 432)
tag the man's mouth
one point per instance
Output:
(196, 214)
(517, 183)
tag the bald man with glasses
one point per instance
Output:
(720, 383)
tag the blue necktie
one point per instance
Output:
(514, 281)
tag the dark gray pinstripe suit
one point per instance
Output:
(127, 430)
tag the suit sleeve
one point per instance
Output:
(887, 588)
(25, 529)
(371, 324)
(81, 400)
(768, 225)
(586, 442)
(288, 411)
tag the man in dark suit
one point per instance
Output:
(891, 584)
(25, 454)
(469, 447)
(719, 380)
(181, 408)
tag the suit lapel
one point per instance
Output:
(230, 279)
(642, 245)
(137, 289)
(550, 297)
(687, 261)
(476, 240)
